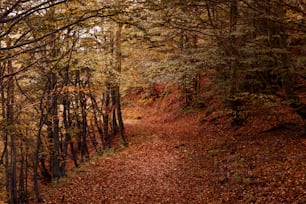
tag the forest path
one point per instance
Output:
(183, 158)
(157, 167)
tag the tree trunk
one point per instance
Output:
(54, 131)
(66, 120)
(37, 157)
(84, 147)
(13, 197)
(113, 110)
(118, 56)
(22, 194)
(105, 105)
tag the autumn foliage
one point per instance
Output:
(124, 101)
(180, 155)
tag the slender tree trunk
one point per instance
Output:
(4, 156)
(113, 110)
(38, 159)
(3, 110)
(66, 120)
(97, 121)
(36, 164)
(106, 101)
(84, 147)
(120, 119)
(54, 131)
(232, 48)
(26, 167)
(13, 197)
(118, 56)
(82, 123)
(22, 192)
(76, 113)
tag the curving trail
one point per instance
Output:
(178, 161)
(156, 168)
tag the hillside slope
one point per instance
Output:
(185, 157)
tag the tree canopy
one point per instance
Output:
(64, 64)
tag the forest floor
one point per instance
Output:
(193, 156)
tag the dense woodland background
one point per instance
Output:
(65, 63)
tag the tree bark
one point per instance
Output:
(118, 56)
(13, 197)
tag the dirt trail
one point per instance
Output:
(156, 168)
(179, 161)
